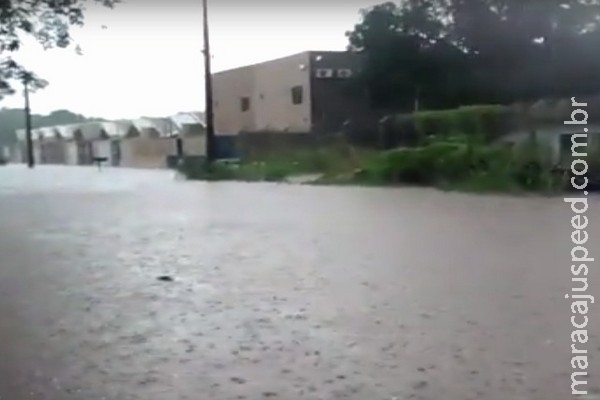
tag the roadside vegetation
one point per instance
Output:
(457, 164)
(450, 149)
(329, 162)
(449, 164)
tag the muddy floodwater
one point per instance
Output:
(275, 291)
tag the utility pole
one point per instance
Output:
(30, 156)
(209, 114)
(417, 99)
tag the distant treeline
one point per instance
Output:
(12, 119)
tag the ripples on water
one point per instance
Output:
(281, 291)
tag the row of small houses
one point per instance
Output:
(140, 143)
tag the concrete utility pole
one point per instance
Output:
(30, 156)
(209, 115)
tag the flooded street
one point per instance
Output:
(282, 291)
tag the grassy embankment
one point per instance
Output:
(449, 165)
(337, 161)
(451, 150)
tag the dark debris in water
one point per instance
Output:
(166, 278)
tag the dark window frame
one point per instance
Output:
(344, 73)
(245, 104)
(297, 94)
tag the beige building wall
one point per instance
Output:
(228, 89)
(269, 87)
(142, 152)
(274, 109)
(37, 152)
(52, 151)
(71, 152)
(194, 145)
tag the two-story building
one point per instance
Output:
(310, 92)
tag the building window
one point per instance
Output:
(324, 73)
(297, 95)
(245, 103)
(344, 73)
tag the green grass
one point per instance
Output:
(331, 162)
(456, 164)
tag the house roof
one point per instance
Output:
(164, 126)
(307, 53)
(47, 133)
(67, 131)
(91, 130)
(118, 129)
(188, 118)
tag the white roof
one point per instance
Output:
(67, 131)
(117, 129)
(164, 126)
(37, 134)
(92, 130)
(188, 118)
(47, 133)
(173, 125)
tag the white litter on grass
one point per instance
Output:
(300, 179)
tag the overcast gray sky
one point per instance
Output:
(148, 60)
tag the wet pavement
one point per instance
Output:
(281, 291)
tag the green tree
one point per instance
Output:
(408, 53)
(47, 21)
(520, 48)
(458, 52)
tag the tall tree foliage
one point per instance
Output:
(403, 43)
(452, 52)
(47, 21)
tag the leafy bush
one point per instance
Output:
(532, 165)
(398, 130)
(433, 123)
(196, 168)
(422, 165)
(455, 163)
(277, 172)
(459, 163)
(408, 166)
(332, 160)
(485, 122)
(480, 124)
